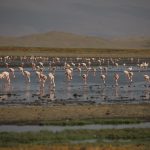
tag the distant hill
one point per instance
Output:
(68, 40)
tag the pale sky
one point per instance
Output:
(104, 18)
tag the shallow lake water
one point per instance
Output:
(35, 128)
(19, 92)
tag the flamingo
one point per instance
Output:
(89, 63)
(68, 73)
(38, 75)
(144, 65)
(130, 69)
(43, 79)
(84, 77)
(11, 70)
(84, 65)
(33, 66)
(52, 79)
(26, 74)
(5, 75)
(103, 77)
(53, 70)
(116, 64)
(73, 64)
(105, 70)
(94, 71)
(101, 69)
(21, 69)
(79, 69)
(116, 77)
(129, 75)
(147, 78)
(41, 66)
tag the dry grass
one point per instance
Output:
(73, 52)
(78, 147)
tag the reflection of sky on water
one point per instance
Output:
(20, 91)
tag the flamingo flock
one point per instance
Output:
(99, 66)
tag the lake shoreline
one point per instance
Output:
(58, 113)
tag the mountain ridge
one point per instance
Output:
(55, 39)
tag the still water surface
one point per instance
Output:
(75, 91)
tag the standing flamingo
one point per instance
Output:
(116, 77)
(52, 79)
(103, 77)
(38, 75)
(43, 79)
(85, 76)
(33, 66)
(129, 75)
(147, 78)
(94, 72)
(26, 74)
(5, 75)
(79, 69)
(11, 70)
(84, 65)
(68, 73)
(105, 70)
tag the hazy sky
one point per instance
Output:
(104, 18)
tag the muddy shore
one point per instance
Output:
(15, 114)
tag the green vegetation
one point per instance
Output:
(72, 122)
(92, 121)
(73, 52)
(69, 136)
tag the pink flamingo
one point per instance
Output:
(79, 69)
(85, 76)
(38, 75)
(33, 66)
(5, 75)
(147, 78)
(11, 70)
(129, 75)
(52, 79)
(116, 77)
(84, 65)
(105, 70)
(43, 79)
(26, 74)
(116, 64)
(94, 71)
(68, 73)
(103, 77)
(41, 63)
